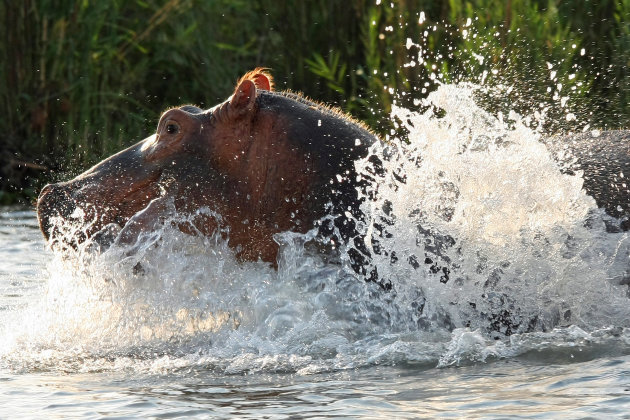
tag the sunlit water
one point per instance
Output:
(531, 320)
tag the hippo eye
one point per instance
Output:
(172, 128)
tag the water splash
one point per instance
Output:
(476, 212)
(491, 250)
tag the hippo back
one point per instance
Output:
(331, 140)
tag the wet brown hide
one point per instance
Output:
(266, 162)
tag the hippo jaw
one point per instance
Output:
(71, 213)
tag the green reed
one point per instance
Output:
(84, 78)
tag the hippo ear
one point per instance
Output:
(261, 78)
(263, 81)
(243, 99)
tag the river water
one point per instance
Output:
(532, 320)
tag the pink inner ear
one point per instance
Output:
(262, 82)
(244, 97)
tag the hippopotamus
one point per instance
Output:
(265, 161)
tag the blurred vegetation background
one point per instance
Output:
(82, 79)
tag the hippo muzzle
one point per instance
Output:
(112, 192)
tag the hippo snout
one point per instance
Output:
(54, 201)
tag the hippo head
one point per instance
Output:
(115, 190)
(265, 161)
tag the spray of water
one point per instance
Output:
(490, 249)
(475, 212)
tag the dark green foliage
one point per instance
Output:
(82, 78)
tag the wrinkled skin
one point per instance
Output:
(267, 162)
